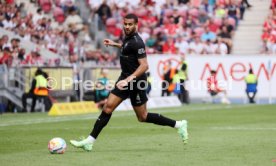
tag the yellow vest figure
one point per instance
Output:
(41, 86)
(176, 78)
(251, 79)
(251, 86)
(183, 71)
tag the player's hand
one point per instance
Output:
(122, 84)
(130, 78)
(108, 42)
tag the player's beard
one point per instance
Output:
(130, 32)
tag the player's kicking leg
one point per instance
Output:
(87, 144)
(144, 116)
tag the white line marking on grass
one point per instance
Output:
(210, 128)
(122, 114)
(244, 128)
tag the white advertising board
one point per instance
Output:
(231, 71)
(153, 102)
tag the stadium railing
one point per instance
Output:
(3, 76)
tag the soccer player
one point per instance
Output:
(132, 84)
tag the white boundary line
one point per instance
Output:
(117, 114)
(244, 128)
(209, 128)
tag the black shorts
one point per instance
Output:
(136, 91)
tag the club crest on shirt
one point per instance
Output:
(141, 51)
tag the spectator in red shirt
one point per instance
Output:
(213, 87)
(273, 4)
(7, 57)
(213, 26)
(169, 47)
(265, 35)
(33, 58)
(212, 84)
(222, 2)
(171, 27)
(9, 1)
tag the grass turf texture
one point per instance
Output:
(220, 135)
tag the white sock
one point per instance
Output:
(90, 139)
(178, 124)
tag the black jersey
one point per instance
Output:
(133, 48)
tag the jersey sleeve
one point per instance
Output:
(140, 50)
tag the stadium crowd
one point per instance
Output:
(177, 26)
(269, 31)
(63, 34)
(166, 26)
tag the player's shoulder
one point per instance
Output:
(139, 44)
(137, 39)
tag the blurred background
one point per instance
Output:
(185, 40)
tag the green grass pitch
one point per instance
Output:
(220, 135)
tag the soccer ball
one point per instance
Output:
(57, 146)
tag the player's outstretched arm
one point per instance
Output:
(108, 42)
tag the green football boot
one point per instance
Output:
(84, 144)
(183, 131)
